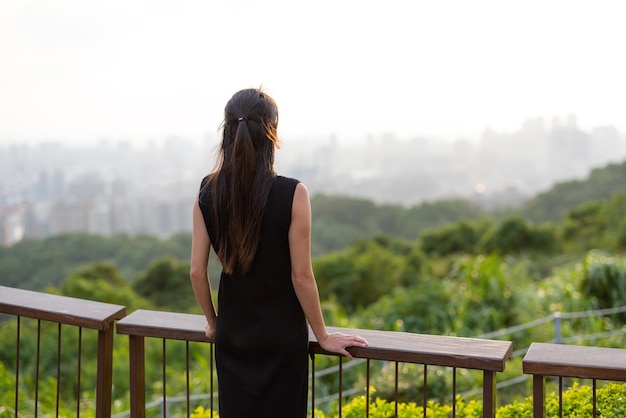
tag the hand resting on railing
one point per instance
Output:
(337, 342)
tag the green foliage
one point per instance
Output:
(38, 264)
(201, 412)
(620, 238)
(7, 396)
(440, 284)
(422, 307)
(577, 401)
(483, 294)
(515, 235)
(596, 224)
(584, 225)
(339, 221)
(360, 275)
(458, 238)
(103, 283)
(166, 284)
(605, 279)
(601, 184)
(432, 215)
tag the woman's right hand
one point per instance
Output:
(337, 342)
(209, 331)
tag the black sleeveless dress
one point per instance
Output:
(261, 341)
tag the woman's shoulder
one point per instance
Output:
(285, 187)
(287, 181)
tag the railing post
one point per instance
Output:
(137, 377)
(489, 394)
(105, 373)
(539, 395)
(558, 338)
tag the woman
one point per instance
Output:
(259, 224)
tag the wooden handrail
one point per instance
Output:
(437, 350)
(159, 324)
(469, 353)
(545, 359)
(60, 309)
(583, 362)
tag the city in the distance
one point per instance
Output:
(118, 188)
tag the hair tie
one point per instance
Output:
(242, 118)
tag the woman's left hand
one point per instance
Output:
(337, 342)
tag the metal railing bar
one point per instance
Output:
(340, 385)
(211, 351)
(187, 385)
(313, 386)
(17, 366)
(58, 368)
(424, 389)
(367, 390)
(78, 381)
(594, 398)
(560, 396)
(164, 369)
(37, 361)
(453, 392)
(395, 395)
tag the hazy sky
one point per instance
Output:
(76, 70)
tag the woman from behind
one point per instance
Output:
(259, 225)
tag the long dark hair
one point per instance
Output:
(244, 176)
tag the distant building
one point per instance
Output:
(11, 225)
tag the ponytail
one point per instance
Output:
(244, 177)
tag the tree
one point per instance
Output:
(459, 238)
(515, 235)
(102, 282)
(605, 279)
(166, 284)
(360, 275)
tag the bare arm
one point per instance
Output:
(303, 278)
(198, 273)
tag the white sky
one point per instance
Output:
(76, 70)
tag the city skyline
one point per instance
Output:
(77, 72)
(112, 188)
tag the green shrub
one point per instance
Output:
(577, 402)
(605, 279)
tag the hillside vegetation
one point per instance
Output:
(338, 222)
(444, 268)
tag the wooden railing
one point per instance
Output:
(490, 356)
(77, 313)
(595, 363)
